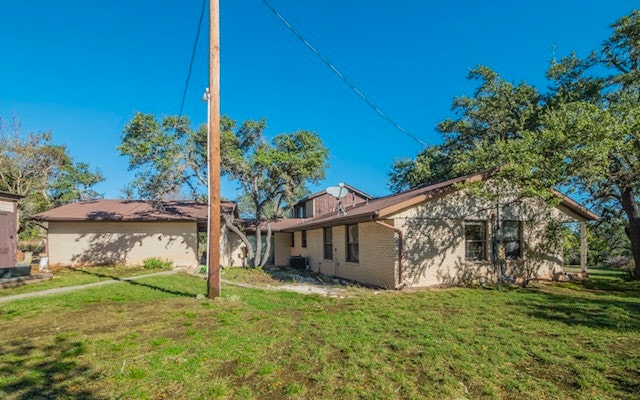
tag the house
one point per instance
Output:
(8, 228)
(114, 232)
(439, 234)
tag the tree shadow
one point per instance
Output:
(135, 283)
(434, 247)
(115, 248)
(51, 371)
(593, 312)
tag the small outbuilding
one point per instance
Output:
(8, 228)
(125, 232)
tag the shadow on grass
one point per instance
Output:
(46, 372)
(616, 306)
(135, 283)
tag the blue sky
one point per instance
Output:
(83, 68)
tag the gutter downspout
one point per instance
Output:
(400, 284)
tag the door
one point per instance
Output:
(7, 239)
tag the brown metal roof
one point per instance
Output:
(386, 206)
(130, 210)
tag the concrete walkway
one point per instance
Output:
(66, 289)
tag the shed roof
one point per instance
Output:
(130, 210)
(386, 206)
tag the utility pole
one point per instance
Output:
(213, 252)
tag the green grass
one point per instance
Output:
(78, 276)
(153, 340)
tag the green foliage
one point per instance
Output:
(33, 166)
(166, 156)
(156, 263)
(169, 155)
(581, 135)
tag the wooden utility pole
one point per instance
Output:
(213, 252)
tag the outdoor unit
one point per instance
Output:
(297, 262)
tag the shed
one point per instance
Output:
(8, 228)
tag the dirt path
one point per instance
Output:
(66, 289)
(297, 288)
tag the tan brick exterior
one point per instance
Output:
(434, 244)
(281, 248)
(117, 243)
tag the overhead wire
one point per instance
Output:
(342, 76)
(193, 56)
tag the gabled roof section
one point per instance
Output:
(386, 206)
(131, 210)
(318, 194)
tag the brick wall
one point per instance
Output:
(116, 243)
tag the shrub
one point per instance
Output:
(156, 263)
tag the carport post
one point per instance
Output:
(583, 247)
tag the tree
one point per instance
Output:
(582, 134)
(271, 175)
(32, 166)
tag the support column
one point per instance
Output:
(583, 247)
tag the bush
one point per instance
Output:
(156, 263)
(619, 262)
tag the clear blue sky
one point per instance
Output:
(83, 68)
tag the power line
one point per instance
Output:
(193, 56)
(341, 76)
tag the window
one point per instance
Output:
(475, 240)
(293, 240)
(352, 243)
(300, 211)
(512, 239)
(304, 239)
(328, 243)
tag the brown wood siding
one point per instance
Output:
(8, 226)
(326, 203)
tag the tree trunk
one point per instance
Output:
(256, 261)
(267, 249)
(630, 208)
(229, 224)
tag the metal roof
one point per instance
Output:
(130, 210)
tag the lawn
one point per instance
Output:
(151, 339)
(79, 276)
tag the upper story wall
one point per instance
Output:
(325, 203)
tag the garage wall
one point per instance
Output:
(118, 243)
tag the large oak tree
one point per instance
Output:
(582, 133)
(271, 174)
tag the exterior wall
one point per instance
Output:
(434, 247)
(326, 203)
(377, 254)
(129, 243)
(8, 232)
(232, 249)
(281, 248)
